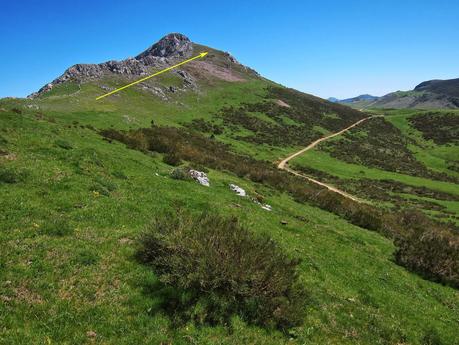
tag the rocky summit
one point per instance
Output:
(172, 45)
(168, 49)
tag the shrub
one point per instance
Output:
(180, 174)
(428, 248)
(119, 174)
(103, 186)
(218, 268)
(10, 175)
(431, 337)
(63, 144)
(172, 159)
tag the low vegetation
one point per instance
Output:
(379, 144)
(429, 249)
(442, 128)
(218, 268)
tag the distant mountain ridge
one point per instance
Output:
(426, 95)
(360, 101)
(365, 97)
(448, 87)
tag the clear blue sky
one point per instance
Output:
(327, 48)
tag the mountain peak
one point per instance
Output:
(171, 45)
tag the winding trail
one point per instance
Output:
(283, 165)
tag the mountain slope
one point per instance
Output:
(428, 94)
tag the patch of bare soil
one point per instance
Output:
(282, 103)
(216, 71)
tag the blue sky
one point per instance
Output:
(327, 48)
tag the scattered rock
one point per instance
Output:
(266, 207)
(231, 58)
(238, 190)
(125, 240)
(91, 334)
(200, 176)
(129, 119)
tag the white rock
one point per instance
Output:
(266, 207)
(238, 190)
(200, 176)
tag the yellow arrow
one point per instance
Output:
(153, 75)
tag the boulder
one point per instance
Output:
(200, 176)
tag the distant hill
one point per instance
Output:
(361, 101)
(448, 87)
(428, 94)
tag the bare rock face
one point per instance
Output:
(172, 45)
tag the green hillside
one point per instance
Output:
(388, 160)
(81, 179)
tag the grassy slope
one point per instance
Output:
(436, 157)
(59, 287)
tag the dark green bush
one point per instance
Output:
(103, 186)
(431, 337)
(428, 248)
(180, 174)
(10, 175)
(63, 144)
(172, 158)
(218, 268)
(119, 174)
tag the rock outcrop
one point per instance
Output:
(172, 45)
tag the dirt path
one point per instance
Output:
(284, 163)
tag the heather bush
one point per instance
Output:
(428, 248)
(11, 175)
(217, 268)
(180, 173)
(172, 159)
